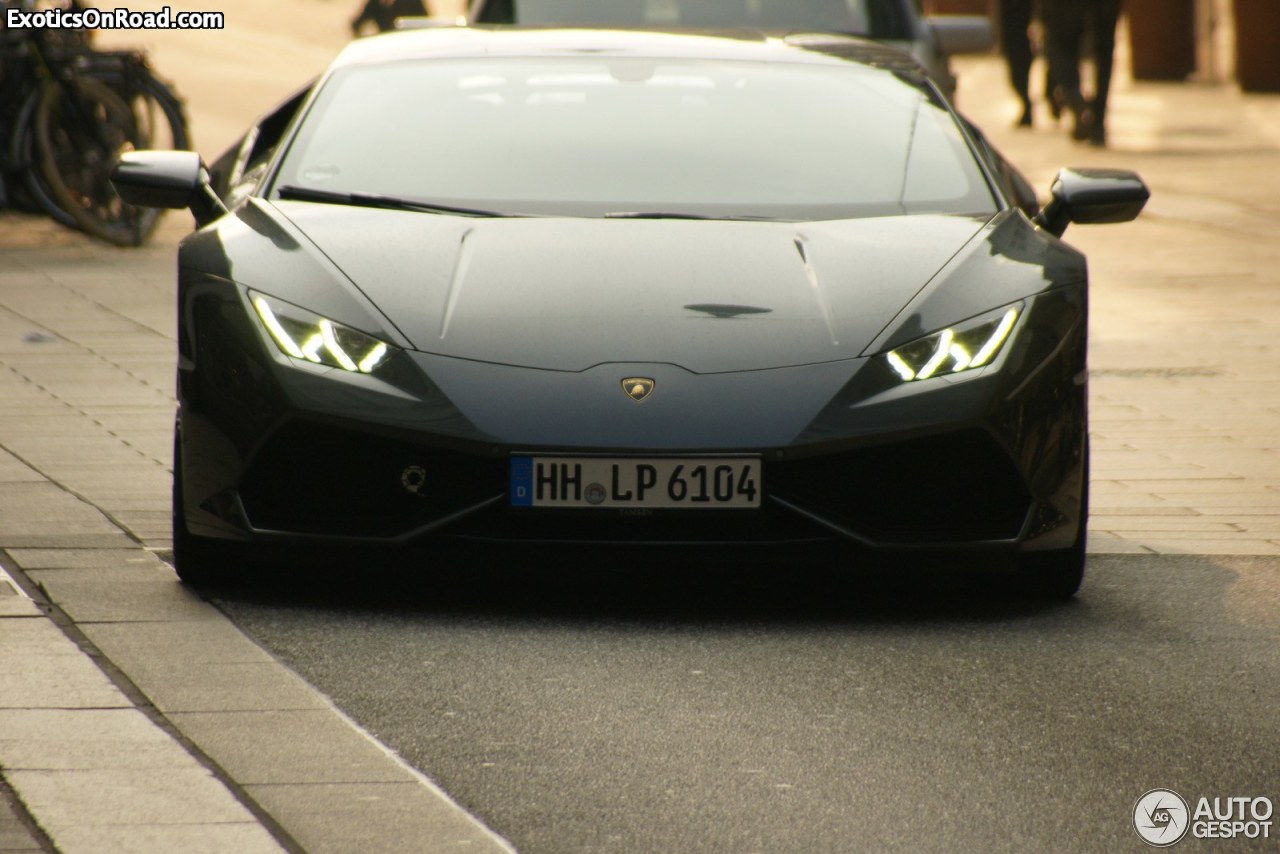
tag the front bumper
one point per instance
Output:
(317, 480)
(271, 452)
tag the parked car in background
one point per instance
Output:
(931, 39)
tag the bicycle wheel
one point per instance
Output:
(81, 129)
(25, 164)
(159, 115)
(157, 110)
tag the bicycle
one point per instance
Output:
(75, 110)
(116, 105)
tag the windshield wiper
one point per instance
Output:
(675, 215)
(375, 200)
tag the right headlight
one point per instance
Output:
(958, 348)
(304, 335)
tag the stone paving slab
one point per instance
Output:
(1187, 545)
(225, 687)
(79, 808)
(84, 740)
(238, 838)
(118, 540)
(346, 818)
(93, 596)
(40, 668)
(300, 746)
(55, 558)
(194, 643)
(1109, 543)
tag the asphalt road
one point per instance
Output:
(711, 707)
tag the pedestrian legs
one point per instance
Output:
(1105, 15)
(1068, 24)
(1015, 43)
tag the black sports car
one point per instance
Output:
(629, 287)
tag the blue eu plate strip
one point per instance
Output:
(522, 481)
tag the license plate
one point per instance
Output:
(697, 482)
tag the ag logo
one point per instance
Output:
(638, 388)
(1161, 818)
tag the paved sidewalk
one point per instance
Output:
(134, 717)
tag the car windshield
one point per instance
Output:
(879, 19)
(587, 135)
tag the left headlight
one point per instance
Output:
(308, 336)
(962, 347)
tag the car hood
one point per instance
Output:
(568, 293)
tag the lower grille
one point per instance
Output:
(957, 487)
(317, 479)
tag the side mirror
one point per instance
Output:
(962, 33)
(1092, 196)
(167, 179)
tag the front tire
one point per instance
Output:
(196, 560)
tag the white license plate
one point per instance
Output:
(696, 482)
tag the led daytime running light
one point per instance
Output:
(947, 353)
(319, 340)
(900, 366)
(277, 331)
(372, 359)
(335, 349)
(996, 340)
(939, 355)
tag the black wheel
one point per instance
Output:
(81, 129)
(196, 560)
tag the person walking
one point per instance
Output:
(1015, 44)
(1068, 25)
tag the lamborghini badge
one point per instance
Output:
(638, 388)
